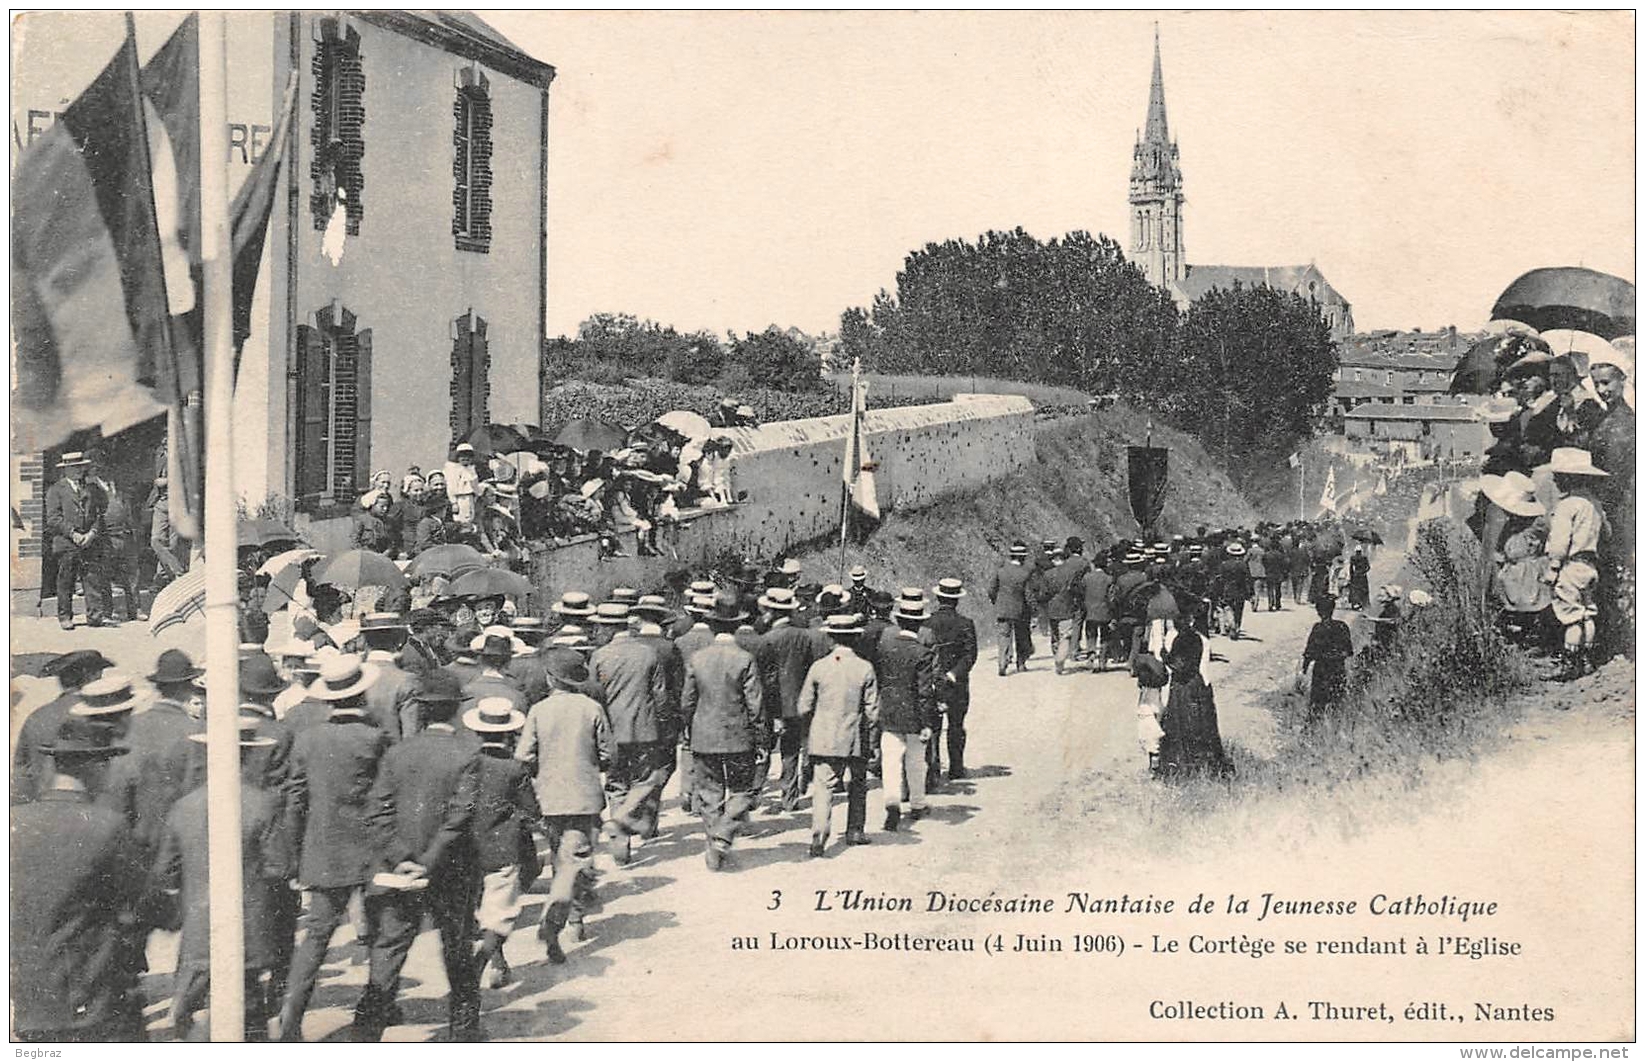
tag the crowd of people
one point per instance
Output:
(435, 763)
(1152, 608)
(1555, 513)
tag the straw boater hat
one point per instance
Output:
(843, 625)
(249, 738)
(1570, 461)
(1019, 549)
(109, 695)
(859, 574)
(779, 599)
(611, 614)
(1133, 556)
(654, 605)
(911, 604)
(627, 595)
(790, 567)
(342, 675)
(73, 459)
(1420, 598)
(493, 715)
(464, 448)
(528, 627)
(573, 603)
(1235, 549)
(571, 637)
(1513, 492)
(950, 589)
(833, 596)
(383, 621)
(725, 610)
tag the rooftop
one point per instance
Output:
(1202, 278)
(1388, 411)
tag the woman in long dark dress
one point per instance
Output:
(1359, 579)
(1190, 742)
(1330, 644)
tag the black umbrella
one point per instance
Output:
(586, 433)
(1570, 297)
(1480, 370)
(492, 439)
(1365, 534)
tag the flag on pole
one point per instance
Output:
(1295, 460)
(89, 307)
(858, 467)
(1382, 486)
(1328, 496)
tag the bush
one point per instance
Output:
(776, 360)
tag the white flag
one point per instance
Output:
(1328, 496)
(1295, 460)
(332, 240)
(858, 467)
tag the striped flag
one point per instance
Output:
(89, 307)
(858, 467)
(179, 601)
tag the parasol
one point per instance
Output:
(264, 531)
(491, 582)
(1365, 534)
(449, 559)
(586, 433)
(358, 567)
(1582, 347)
(694, 426)
(284, 570)
(491, 440)
(1570, 297)
(1480, 369)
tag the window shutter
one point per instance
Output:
(479, 376)
(312, 373)
(362, 409)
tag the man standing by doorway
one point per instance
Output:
(74, 517)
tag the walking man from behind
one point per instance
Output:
(842, 697)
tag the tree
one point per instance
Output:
(1257, 366)
(777, 360)
(700, 359)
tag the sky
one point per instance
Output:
(732, 169)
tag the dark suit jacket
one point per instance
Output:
(955, 639)
(874, 629)
(721, 706)
(423, 802)
(786, 654)
(388, 696)
(164, 765)
(77, 879)
(631, 676)
(1012, 587)
(907, 678)
(529, 673)
(333, 769)
(31, 769)
(1097, 587)
(504, 810)
(182, 869)
(673, 676)
(1064, 588)
(68, 509)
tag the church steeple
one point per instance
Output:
(1156, 190)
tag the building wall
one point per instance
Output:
(402, 276)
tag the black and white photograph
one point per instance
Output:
(823, 526)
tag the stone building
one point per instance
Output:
(429, 130)
(1157, 243)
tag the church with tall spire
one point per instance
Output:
(1157, 244)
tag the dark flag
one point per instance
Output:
(1145, 476)
(249, 214)
(89, 306)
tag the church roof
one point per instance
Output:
(1202, 278)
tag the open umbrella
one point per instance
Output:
(449, 559)
(490, 440)
(1365, 534)
(1481, 367)
(359, 567)
(284, 570)
(1582, 347)
(694, 426)
(264, 531)
(491, 582)
(586, 433)
(1570, 297)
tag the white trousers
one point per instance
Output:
(909, 751)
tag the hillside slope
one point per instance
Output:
(1076, 485)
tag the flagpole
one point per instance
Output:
(222, 594)
(852, 453)
(1302, 487)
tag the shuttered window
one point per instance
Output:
(333, 411)
(470, 375)
(471, 162)
(338, 107)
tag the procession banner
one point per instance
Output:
(1147, 468)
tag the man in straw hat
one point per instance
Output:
(841, 695)
(635, 693)
(908, 708)
(567, 743)
(333, 767)
(421, 810)
(1574, 532)
(505, 809)
(1013, 586)
(786, 653)
(183, 871)
(30, 768)
(722, 709)
(82, 882)
(74, 521)
(497, 649)
(954, 640)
